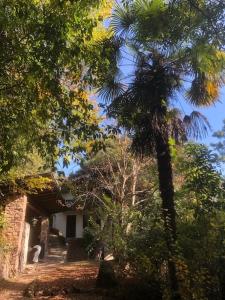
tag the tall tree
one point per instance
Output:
(45, 47)
(167, 45)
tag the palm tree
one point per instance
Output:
(168, 51)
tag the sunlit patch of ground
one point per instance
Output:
(55, 281)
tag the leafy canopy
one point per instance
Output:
(219, 146)
(44, 53)
(170, 50)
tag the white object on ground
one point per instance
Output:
(109, 257)
(36, 253)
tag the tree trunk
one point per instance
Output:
(133, 190)
(165, 174)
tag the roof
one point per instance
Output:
(47, 200)
(50, 199)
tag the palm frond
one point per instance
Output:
(207, 64)
(148, 7)
(196, 125)
(208, 60)
(203, 91)
(150, 21)
(111, 90)
(123, 17)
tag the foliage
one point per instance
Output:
(116, 173)
(119, 184)
(200, 207)
(2, 221)
(219, 147)
(3, 243)
(131, 227)
(201, 175)
(28, 176)
(45, 50)
(141, 252)
(166, 44)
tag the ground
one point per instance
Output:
(54, 279)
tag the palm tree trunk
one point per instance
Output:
(165, 174)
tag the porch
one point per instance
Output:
(34, 219)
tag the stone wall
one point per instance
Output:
(15, 212)
(25, 247)
(44, 235)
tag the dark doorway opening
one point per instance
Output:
(71, 226)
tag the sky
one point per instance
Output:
(215, 115)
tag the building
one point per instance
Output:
(30, 218)
(69, 223)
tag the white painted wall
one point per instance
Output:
(59, 222)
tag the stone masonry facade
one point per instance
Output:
(44, 233)
(15, 212)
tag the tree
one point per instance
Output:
(28, 176)
(200, 210)
(167, 45)
(44, 53)
(116, 173)
(219, 147)
(117, 185)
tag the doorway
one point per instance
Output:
(71, 226)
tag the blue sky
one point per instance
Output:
(215, 115)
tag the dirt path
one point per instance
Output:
(53, 276)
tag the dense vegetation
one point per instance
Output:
(160, 198)
(126, 191)
(46, 48)
(168, 45)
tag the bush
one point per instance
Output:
(106, 275)
(141, 291)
